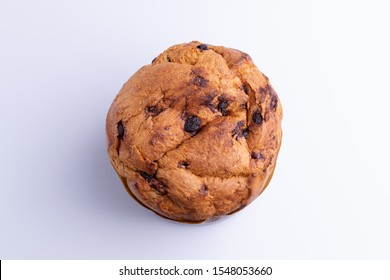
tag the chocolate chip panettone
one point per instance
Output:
(195, 135)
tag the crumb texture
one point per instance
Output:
(195, 135)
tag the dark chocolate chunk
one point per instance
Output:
(222, 106)
(154, 183)
(263, 90)
(154, 59)
(238, 127)
(208, 99)
(183, 164)
(204, 189)
(159, 186)
(239, 131)
(203, 47)
(192, 124)
(146, 176)
(257, 155)
(200, 81)
(245, 133)
(121, 129)
(273, 103)
(244, 88)
(153, 110)
(244, 106)
(257, 117)
(169, 59)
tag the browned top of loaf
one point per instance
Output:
(195, 134)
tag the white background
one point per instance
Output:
(63, 62)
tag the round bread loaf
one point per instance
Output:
(195, 135)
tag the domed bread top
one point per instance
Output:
(195, 135)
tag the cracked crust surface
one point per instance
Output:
(195, 135)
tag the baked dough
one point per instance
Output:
(194, 136)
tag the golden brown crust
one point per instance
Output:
(195, 135)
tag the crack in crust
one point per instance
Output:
(234, 151)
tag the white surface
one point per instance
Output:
(63, 62)
(112, 269)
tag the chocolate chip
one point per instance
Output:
(239, 130)
(245, 133)
(257, 155)
(244, 106)
(273, 103)
(238, 127)
(183, 164)
(146, 176)
(208, 99)
(204, 189)
(257, 117)
(203, 47)
(153, 110)
(159, 186)
(154, 183)
(154, 59)
(169, 59)
(263, 90)
(121, 129)
(244, 88)
(192, 124)
(222, 106)
(200, 81)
